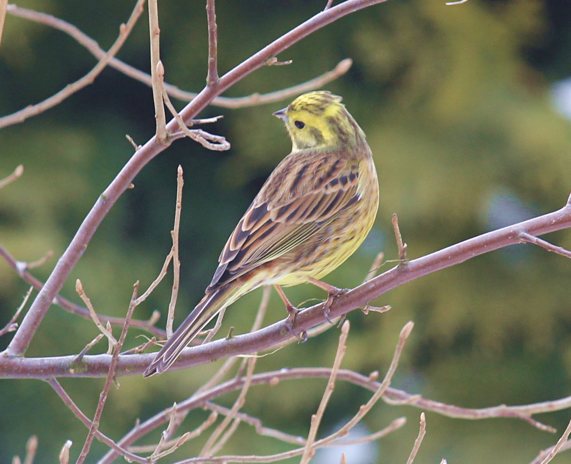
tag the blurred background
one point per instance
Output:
(467, 111)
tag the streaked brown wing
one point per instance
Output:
(303, 194)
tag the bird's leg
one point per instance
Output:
(332, 294)
(292, 312)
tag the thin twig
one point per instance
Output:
(33, 110)
(22, 267)
(395, 425)
(166, 446)
(64, 452)
(255, 99)
(31, 449)
(212, 76)
(250, 363)
(328, 5)
(392, 427)
(20, 168)
(207, 140)
(258, 425)
(383, 386)
(157, 71)
(3, 5)
(175, 252)
(391, 396)
(309, 451)
(528, 238)
(418, 441)
(158, 279)
(104, 330)
(12, 325)
(375, 266)
(547, 455)
(77, 412)
(401, 246)
(215, 440)
(88, 347)
(109, 380)
(40, 261)
(191, 435)
(211, 333)
(457, 2)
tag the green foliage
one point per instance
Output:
(456, 107)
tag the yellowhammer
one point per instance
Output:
(312, 213)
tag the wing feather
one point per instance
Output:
(303, 195)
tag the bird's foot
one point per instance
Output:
(292, 313)
(332, 294)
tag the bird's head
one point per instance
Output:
(319, 120)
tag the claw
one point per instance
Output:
(332, 294)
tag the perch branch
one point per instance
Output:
(274, 335)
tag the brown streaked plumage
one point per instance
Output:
(312, 213)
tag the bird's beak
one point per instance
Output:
(281, 114)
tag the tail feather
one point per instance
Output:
(201, 315)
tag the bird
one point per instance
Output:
(311, 214)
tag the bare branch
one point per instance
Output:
(328, 5)
(546, 456)
(212, 77)
(309, 451)
(175, 253)
(418, 441)
(457, 2)
(391, 396)
(255, 99)
(167, 446)
(528, 238)
(392, 427)
(22, 269)
(31, 449)
(157, 72)
(383, 386)
(401, 246)
(20, 168)
(68, 401)
(109, 380)
(277, 334)
(104, 330)
(207, 140)
(88, 347)
(258, 425)
(3, 5)
(375, 266)
(33, 110)
(214, 442)
(190, 435)
(12, 325)
(64, 453)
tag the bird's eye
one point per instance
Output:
(299, 124)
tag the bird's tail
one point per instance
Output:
(203, 313)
